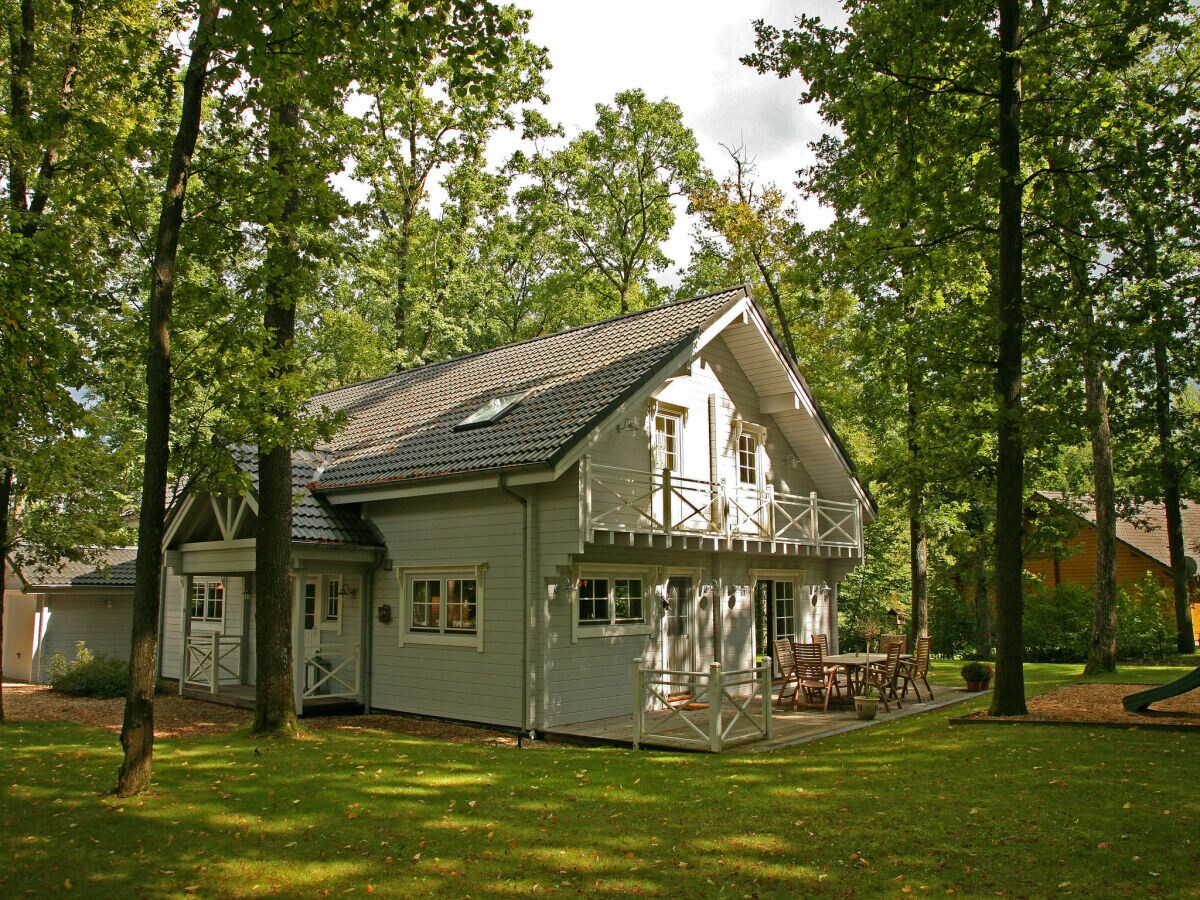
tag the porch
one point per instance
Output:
(328, 679)
(688, 723)
(663, 509)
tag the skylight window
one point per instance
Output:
(493, 410)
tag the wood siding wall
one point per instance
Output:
(83, 616)
(460, 530)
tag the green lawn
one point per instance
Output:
(912, 805)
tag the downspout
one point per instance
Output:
(366, 629)
(162, 622)
(526, 566)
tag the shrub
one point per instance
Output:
(976, 671)
(1145, 620)
(90, 675)
(1058, 622)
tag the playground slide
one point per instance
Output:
(1142, 699)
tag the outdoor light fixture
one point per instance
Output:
(108, 602)
(565, 585)
(819, 592)
(385, 613)
(348, 591)
(629, 425)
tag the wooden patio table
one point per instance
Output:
(854, 662)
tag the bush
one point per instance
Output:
(1058, 622)
(976, 671)
(90, 675)
(1145, 620)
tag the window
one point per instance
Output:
(208, 601)
(493, 410)
(310, 605)
(784, 596)
(333, 601)
(459, 612)
(611, 601)
(668, 427)
(749, 439)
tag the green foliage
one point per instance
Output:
(1145, 620)
(977, 671)
(89, 674)
(1058, 622)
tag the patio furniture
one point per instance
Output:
(814, 677)
(823, 640)
(916, 668)
(882, 675)
(886, 640)
(785, 659)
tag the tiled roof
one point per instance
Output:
(113, 568)
(1145, 530)
(315, 520)
(401, 426)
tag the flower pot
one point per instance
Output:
(866, 707)
(978, 685)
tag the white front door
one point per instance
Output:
(681, 623)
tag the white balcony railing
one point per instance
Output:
(705, 710)
(630, 500)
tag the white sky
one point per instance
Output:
(686, 51)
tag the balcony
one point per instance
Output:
(672, 511)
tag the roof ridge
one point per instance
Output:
(425, 367)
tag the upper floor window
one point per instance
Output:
(667, 447)
(208, 601)
(747, 457)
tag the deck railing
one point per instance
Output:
(631, 500)
(212, 660)
(330, 675)
(705, 710)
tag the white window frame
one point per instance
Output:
(208, 583)
(678, 415)
(333, 600)
(614, 627)
(758, 434)
(442, 637)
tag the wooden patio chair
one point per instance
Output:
(885, 640)
(823, 640)
(916, 668)
(785, 659)
(813, 676)
(882, 676)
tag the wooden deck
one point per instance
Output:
(788, 727)
(242, 696)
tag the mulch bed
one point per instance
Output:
(1099, 704)
(176, 716)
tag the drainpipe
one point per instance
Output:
(526, 566)
(162, 621)
(366, 630)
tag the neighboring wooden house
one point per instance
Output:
(497, 538)
(48, 611)
(1141, 547)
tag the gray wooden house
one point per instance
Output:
(498, 538)
(48, 611)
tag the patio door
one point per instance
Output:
(680, 623)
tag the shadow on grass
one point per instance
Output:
(914, 803)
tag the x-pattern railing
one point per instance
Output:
(688, 709)
(330, 683)
(211, 657)
(632, 500)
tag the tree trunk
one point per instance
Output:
(137, 730)
(918, 538)
(1102, 648)
(1185, 640)
(1008, 698)
(983, 610)
(275, 698)
(5, 499)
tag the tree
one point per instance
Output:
(137, 730)
(72, 147)
(966, 71)
(608, 195)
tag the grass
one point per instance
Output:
(914, 805)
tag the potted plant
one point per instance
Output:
(977, 675)
(866, 704)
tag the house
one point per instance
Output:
(1141, 546)
(498, 538)
(48, 611)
